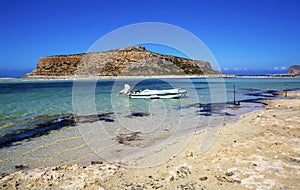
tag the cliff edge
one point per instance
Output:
(128, 61)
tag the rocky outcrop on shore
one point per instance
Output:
(128, 61)
(294, 70)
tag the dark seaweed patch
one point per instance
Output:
(211, 109)
(250, 89)
(138, 114)
(93, 118)
(42, 125)
(266, 93)
(37, 128)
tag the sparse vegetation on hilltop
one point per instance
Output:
(128, 61)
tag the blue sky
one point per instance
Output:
(245, 36)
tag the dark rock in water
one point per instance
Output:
(96, 162)
(229, 114)
(106, 119)
(126, 138)
(138, 114)
(21, 167)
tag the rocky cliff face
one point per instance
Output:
(129, 61)
(294, 70)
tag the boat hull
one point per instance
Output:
(157, 96)
(153, 94)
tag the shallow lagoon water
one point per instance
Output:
(27, 106)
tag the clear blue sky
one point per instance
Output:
(244, 35)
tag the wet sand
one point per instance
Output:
(258, 151)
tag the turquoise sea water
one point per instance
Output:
(35, 115)
(21, 101)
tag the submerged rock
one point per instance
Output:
(126, 138)
(96, 162)
(138, 114)
(21, 166)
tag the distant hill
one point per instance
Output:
(294, 70)
(128, 61)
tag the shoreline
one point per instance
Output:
(259, 150)
(74, 78)
(115, 77)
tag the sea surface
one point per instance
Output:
(49, 122)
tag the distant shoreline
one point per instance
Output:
(127, 77)
(39, 77)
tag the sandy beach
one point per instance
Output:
(258, 151)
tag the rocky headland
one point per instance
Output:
(128, 61)
(294, 70)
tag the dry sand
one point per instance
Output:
(261, 150)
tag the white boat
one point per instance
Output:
(153, 94)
